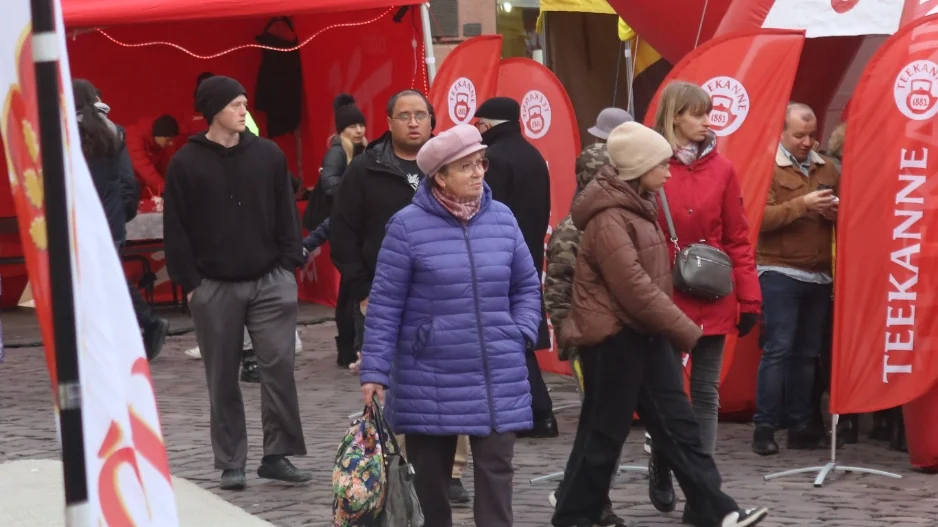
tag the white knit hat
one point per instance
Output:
(635, 149)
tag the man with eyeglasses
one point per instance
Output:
(519, 178)
(377, 184)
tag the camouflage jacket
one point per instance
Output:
(562, 248)
(558, 284)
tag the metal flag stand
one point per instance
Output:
(575, 367)
(832, 465)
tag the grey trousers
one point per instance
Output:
(267, 308)
(432, 458)
(706, 363)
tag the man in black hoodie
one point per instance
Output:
(232, 238)
(519, 178)
(375, 186)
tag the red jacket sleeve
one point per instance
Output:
(143, 165)
(737, 247)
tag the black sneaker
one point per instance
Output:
(763, 441)
(249, 371)
(233, 479)
(458, 495)
(280, 469)
(660, 486)
(745, 518)
(154, 337)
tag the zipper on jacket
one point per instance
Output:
(475, 297)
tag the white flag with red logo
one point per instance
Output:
(128, 477)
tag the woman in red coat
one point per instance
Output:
(706, 205)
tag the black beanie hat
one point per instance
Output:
(165, 126)
(215, 93)
(499, 109)
(346, 113)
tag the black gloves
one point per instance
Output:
(747, 321)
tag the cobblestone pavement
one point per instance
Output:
(328, 395)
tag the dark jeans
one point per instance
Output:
(795, 315)
(638, 372)
(706, 365)
(432, 458)
(822, 374)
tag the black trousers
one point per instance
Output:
(345, 322)
(432, 458)
(541, 404)
(145, 317)
(632, 372)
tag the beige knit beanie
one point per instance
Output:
(635, 149)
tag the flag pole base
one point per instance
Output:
(827, 470)
(831, 466)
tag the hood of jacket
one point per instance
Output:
(588, 164)
(245, 141)
(425, 199)
(608, 192)
(381, 158)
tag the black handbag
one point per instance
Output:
(401, 506)
(699, 270)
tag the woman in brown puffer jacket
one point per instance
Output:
(622, 321)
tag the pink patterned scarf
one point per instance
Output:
(463, 208)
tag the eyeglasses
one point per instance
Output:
(406, 117)
(468, 168)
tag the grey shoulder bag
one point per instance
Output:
(401, 506)
(699, 270)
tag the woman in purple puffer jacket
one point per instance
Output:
(455, 303)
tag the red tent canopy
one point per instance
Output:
(356, 48)
(87, 13)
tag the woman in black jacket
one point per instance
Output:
(348, 141)
(102, 143)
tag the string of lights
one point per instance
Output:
(245, 46)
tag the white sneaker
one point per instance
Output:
(647, 443)
(745, 517)
(298, 345)
(194, 353)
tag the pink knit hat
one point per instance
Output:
(455, 143)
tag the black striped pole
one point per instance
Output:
(45, 50)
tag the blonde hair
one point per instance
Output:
(347, 145)
(679, 97)
(835, 145)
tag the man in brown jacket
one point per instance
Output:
(794, 263)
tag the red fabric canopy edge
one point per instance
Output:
(90, 13)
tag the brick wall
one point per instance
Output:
(449, 18)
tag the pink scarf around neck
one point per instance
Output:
(463, 208)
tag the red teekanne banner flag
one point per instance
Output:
(916, 9)
(749, 77)
(548, 122)
(886, 288)
(466, 79)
